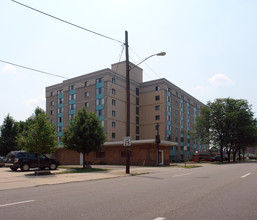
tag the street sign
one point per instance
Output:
(127, 141)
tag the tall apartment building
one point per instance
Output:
(104, 92)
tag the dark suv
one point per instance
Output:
(25, 161)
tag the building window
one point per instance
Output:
(59, 92)
(52, 103)
(137, 101)
(157, 97)
(137, 129)
(60, 101)
(52, 94)
(52, 112)
(99, 80)
(60, 110)
(100, 155)
(169, 118)
(137, 110)
(71, 117)
(71, 87)
(60, 129)
(72, 107)
(87, 104)
(100, 91)
(86, 84)
(113, 91)
(137, 91)
(113, 80)
(100, 101)
(113, 135)
(86, 94)
(157, 117)
(176, 103)
(52, 121)
(157, 107)
(72, 97)
(102, 123)
(157, 88)
(113, 113)
(113, 124)
(137, 120)
(137, 137)
(100, 112)
(113, 102)
(60, 119)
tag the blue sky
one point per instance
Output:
(211, 46)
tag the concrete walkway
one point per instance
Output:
(18, 179)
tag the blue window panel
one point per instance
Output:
(99, 85)
(99, 107)
(60, 106)
(72, 92)
(72, 112)
(169, 132)
(59, 134)
(72, 102)
(60, 115)
(188, 144)
(169, 104)
(172, 151)
(60, 124)
(101, 118)
(169, 113)
(169, 122)
(182, 153)
(182, 144)
(60, 96)
(181, 135)
(100, 96)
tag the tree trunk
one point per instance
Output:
(221, 154)
(84, 160)
(239, 152)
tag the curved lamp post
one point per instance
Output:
(128, 95)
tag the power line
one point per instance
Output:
(67, 22)
(51, 74)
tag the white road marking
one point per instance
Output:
(16, 203)
(182, 174)
(246, 175)
(159, 218)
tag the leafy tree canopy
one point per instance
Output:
(227, 123)
(8, 136)
(39, 135)
(84, 134)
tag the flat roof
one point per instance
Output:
(138, 142)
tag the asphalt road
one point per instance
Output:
(209, 192)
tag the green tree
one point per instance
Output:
(84, 134)
(8, 136)
(226, 123)
(39, 135)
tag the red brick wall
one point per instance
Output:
(141, 155)
(67, 157)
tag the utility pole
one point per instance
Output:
(128, 102)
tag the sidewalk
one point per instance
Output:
(12, 180)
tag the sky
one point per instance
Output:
(210, 45)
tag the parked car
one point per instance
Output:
(2, 159)
(25, 161)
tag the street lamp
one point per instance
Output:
(128, 94)
(158, 141)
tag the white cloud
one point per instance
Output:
(220, 80)
(8, 68)
(34, 102)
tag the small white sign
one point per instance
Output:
(127, 141)
(185, 148)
